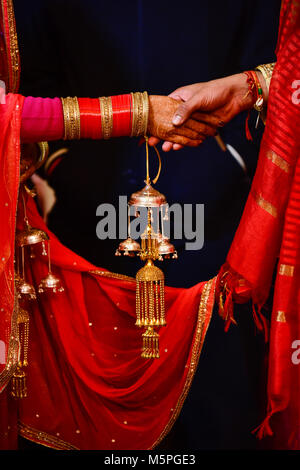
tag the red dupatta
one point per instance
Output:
(88, 387)
(269, 231)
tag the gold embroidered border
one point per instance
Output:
(280, 162)
(40, 437)
(281, 316)
(109, 274)
(13, 50)
(197, 348)
(13, 344)
(267, 206)
(286, 270)
(13, 350)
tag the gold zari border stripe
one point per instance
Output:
(13, 52)
(40, 437)
(281, 316)
(111, 275)
(267, 206)
(197, 348)
(286, 270)
(280, 162)
(13, 350)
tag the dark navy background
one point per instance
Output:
(95, 48)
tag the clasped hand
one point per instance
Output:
(192, 113)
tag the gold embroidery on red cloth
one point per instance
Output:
(286, 270)
(13, 349)
(109, 274)
(280, 162)
(40, 437)
(13, 51)
(267, 206)
(281, 316)
(197, 348)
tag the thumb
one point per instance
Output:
(184, 111)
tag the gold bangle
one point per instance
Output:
(267, 71)
(106, 117)
(145, 112)
(71, 118)
(140, 113)
(134, 113)
(139, 119)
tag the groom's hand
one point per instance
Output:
(212, 103)
(161, 111)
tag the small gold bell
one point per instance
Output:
(147, 197)
(128, 247)
(31, 236)
(166, 249)
(50, 283)
(25, 290)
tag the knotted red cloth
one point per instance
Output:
(269, 232)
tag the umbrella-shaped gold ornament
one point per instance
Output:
(150, 280)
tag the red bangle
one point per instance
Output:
(90, 118)
(121, 105)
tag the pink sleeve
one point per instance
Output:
(42, 120)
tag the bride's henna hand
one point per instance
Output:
(161, 111)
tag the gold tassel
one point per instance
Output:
(18, 381)
(150, 344)
(18, 384)
(150, 306)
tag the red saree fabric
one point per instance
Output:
(10, 122)
(88, 387)
(269, 232)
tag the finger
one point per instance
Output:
(184, 111)
(167, 146)
(176, 96)
(201, 127)
(186, 132)
(181, 94)
(208, 118)
(177, 147)
(153, 141)
(185, 141)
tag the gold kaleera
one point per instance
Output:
(150, 280)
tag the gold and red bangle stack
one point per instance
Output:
(255, 89)
(105, 117)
